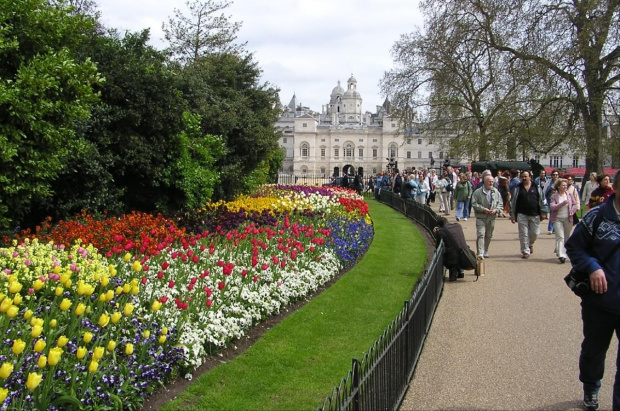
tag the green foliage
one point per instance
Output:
(44, 91)
(195, 174)
(224, 90)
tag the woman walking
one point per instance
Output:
(463, 194)
(588, 187)
(562, 207)
(602, 192)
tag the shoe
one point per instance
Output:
(486, 255)
(458, 219)
(465, 219)
(549, 232)
(590, 401)
(525, 256)
(461, 274)
(480, 257)
(562, 260)
(531, 248)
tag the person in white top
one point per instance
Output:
(562, 206)
(588, 187)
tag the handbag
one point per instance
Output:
(575, 219)
(577, 281)
(467, 259)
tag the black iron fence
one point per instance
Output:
(380, 380)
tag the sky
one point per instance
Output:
(303, 47)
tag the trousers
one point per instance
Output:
(529, 229)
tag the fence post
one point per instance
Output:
(355, 384)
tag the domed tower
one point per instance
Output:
(335, 100)
(351, 103)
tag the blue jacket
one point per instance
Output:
(589, 255)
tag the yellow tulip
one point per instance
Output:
(162, 339)
(127, 257)
(40, 345)
(111, 345)
(79, 309)
(36, 321)
(62, 341)
(102, 298)
(6, 370)
(112, 270)
(18, 346)
(116, 317)
(34, 380)
(105, 280)
(42, 362)
(134, 282)
(68, 283)
(129, 349)
(109, 295)
(98, 353)
(28, 314)
(15, 287)
(3, 394)
(65, 304)
(118, 290)
(17, 300)
(164, 330)
(146, 334)
(38, 284)
(136, 266)
(126, 288)
(64, 278)
(58, 291)
(135, 290)
(81, 352)
(54, 356)
(104, 319)
(12, 311)
(88, 336)
(57, 269)
(156, 305)
(128, 309)
(53, 323)
(36, 331)
(5, 305)
(93, 366)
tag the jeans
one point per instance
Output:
(550, 226)
(598, 329)
(459, 209)
(529, 228)
(467, 208)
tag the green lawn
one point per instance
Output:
(295, 365)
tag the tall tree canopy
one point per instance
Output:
(45, 90)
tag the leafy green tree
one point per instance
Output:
(45, 91)
(203, 32)
(224, 89)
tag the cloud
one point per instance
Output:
(302, 46)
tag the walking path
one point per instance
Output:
(509, 341)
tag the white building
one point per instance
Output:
(343, 137)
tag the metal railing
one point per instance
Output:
(380, 380)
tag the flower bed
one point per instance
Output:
(143, 301)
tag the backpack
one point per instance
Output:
(398, 183)
(450, 187)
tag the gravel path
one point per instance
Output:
(509, 341)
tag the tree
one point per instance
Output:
(45, 91)
(224, 89)
(576, 43)
(202, 32)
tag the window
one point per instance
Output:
(361, 140)
(322, 140)
(575, 161)
(336, 152)
(337, 140)
(323, 171)
(419, 141)
(440, 155)
(408, 141)
(419, 154)
(304, 150)
(374, 170)
(393, 125)
(392, 151)
(408, 154)
(430, 154)
(284, 140)
(322, 151)
(374, 153)
(374, 140)
(304, 170)
(360, 153)
(348, 151)
(556, 162)
(304, 125)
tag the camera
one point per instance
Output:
(578, 282)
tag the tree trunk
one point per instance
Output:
(592, 114)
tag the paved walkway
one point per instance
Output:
(509, 341)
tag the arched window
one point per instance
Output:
(348, 151)
(393, 150)
(304, 170)
(305, 149)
